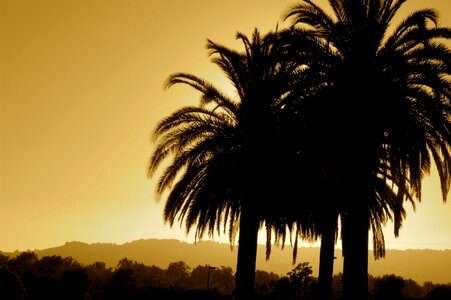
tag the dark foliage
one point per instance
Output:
(28, 277)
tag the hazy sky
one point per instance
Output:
(81, 88)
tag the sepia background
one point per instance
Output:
(81, 89)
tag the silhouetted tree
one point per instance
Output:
(302, 281)
(154, 276)
(208, 278)
(199, 277)
(221, 280)
(55, 265)
(220, 150)
(441, 292)
(428, 286)
(298, 284)
(125, 263)
(412, 289)
(99, 276)
(177, 275)
(122, 285)
(265, 282)
(134, 280)
(50, 265)
(387, 117)
(388, 287)
(23, 263)
(3, 260)
(148, 275)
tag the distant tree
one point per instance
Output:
(146, 281)
(147, 275)
(412, 290)
(265, 282)
(428, 286)
(221, 280)
(337, 286)
(24, 266)
(177, 275)
(3, 260)
(297, 285)
(198, 277)
(55, 265)
(440, 292)
(122, 285)
(302, 281)
(23, 263)
(388, 287)
(154, 276)
(99, 276)
(50, 265)
(125, 263)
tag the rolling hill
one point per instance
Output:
(419, 265)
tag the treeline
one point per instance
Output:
(54, 277)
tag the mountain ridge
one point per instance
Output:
(418, 265)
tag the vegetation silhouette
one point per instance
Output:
(65, 278)
(385, 116)
(358, 108)
(221, 172)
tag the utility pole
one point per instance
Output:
(208, 275)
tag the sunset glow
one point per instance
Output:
(81, 89)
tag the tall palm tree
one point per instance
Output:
(222, 151)
(300, 111)
(321, 187)
(388, 114)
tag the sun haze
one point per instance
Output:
(81, 88)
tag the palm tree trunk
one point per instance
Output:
(355, 252)
(326, 257)
(247, 255)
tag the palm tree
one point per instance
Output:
(388, 114)
(222, 151)
(320, 186)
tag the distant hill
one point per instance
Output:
(419, 265)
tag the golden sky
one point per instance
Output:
(81, 88)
